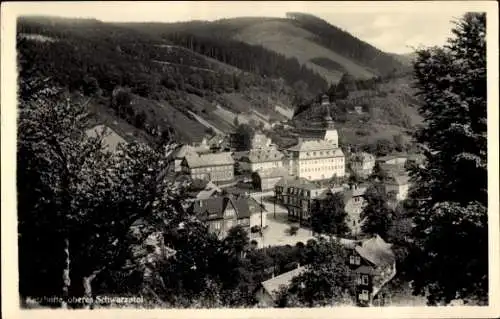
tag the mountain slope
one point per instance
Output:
(283, 37)
(316, 44)
(164, 84)
(156, 77)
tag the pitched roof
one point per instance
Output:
(376, 251)
(209, 190)
(316, 145)
(273, 285)
(111, 139)
(210, 159)
(350, 193)
(264, 155)
(185, 149)
(299, 182)
(216, 206)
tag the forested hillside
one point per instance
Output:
(344, 43)
(100, 60)
(150, 80)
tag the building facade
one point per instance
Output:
(316, 160)
(261, 159)
(398, 185)
(354, 202)
(362, 164)
(298, 195)
(224, 212)
(260, 140)
(265, 180)
(215, 167)
(373, 264)
(180, 153)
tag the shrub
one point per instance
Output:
(293, 230)
(255, 229)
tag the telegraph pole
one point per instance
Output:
(274, 205)
(261, 214)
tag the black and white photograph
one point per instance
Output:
(252, 155)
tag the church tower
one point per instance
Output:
(331, 134)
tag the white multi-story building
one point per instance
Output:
(318, 159)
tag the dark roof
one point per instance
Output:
(216, 205)
(376, 251)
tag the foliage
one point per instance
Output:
(73, 192)
(237, 240)
(376, 215)
(293, 230)
(329, 216)
(450, 194)
(251, 58)
(326, 280)
(378, 173)
(243, 137)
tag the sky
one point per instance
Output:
(395, 27)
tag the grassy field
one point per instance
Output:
(283, 37)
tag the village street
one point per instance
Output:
(276, 233)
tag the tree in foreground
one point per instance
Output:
(376, 215)
(237, 240)
(329, 216)
(450, 194)
(325, 282)
(77, 203)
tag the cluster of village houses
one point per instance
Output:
(297, 177)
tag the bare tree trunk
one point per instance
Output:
(66, 277)
(87, 288)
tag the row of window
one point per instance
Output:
(212, 169)
(323, 160)
(319, 169)
(354, 260)
(320, 153)
(298, 212)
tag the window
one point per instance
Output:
(365, 279)
(354, 260)
(359, 280)
(229, 212)
(364, 295)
